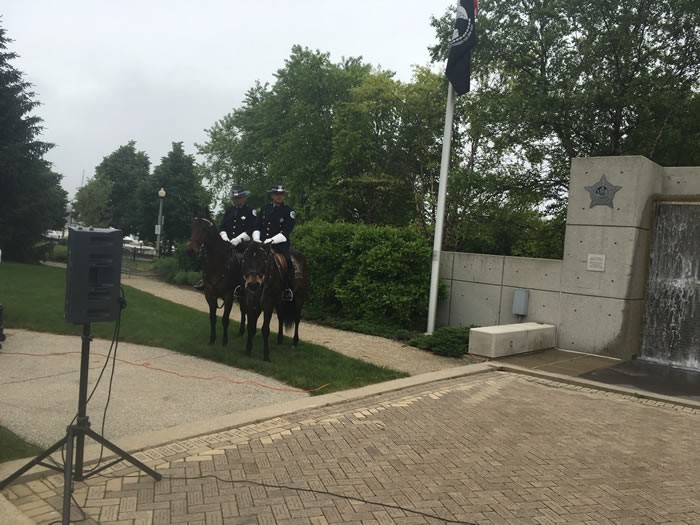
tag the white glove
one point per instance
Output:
(224, 236)
(268, 241)
(256, 236)
(277, 239)
(240, 238)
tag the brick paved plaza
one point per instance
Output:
(490, 448)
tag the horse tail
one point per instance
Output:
(286, 311)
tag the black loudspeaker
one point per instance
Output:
(93, 275)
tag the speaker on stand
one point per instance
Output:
(93, 276)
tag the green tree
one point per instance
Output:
(32, 200)
(284, 133)
(557, 80)
(124, 169)
(92, 205)
(369, 166)
(185, 196)
(564, 79)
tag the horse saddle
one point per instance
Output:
(281, 261)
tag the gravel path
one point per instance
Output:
(377, 350)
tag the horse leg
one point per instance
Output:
(252, 321)
(212, 320)
(225, 318)
(297, 318)
(267, 317)
(280, 330)
(241, 329)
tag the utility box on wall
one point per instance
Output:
(93, 275)
(520, 300)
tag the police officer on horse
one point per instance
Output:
(274, 227)
(238, 223)
(239, 220)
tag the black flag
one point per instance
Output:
(463, 40)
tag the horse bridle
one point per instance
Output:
(258, 294)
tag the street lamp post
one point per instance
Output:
(159, 226)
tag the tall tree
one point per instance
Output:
(185, 196)
(284, 132)
(91, 204)
(32, 200)
(563, 79)
(125, 169)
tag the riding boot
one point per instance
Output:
(287, 293)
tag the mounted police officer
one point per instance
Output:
(275, 226)
(239, 220)
(238, 223)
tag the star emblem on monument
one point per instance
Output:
(602, 192)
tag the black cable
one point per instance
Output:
(115, 342)
(313, 491)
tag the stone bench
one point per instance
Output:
(509, 339)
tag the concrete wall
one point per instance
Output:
(481, 289)
(595, 295)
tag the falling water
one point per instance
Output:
(672, 316)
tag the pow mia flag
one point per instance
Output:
(463, 40)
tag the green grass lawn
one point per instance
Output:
(33, 299)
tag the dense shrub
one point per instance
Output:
(374, 273)
(185, 261)
(183, 277)
(180, 268)
(166, 268)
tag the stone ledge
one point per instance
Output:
(510, 339)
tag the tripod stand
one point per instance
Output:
(77, 432)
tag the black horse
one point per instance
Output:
(221, 271)
(264, 274)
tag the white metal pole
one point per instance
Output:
(440, 217)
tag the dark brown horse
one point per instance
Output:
(221, 273)
(264, 274)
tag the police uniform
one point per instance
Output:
(237, 220)
(276, 219)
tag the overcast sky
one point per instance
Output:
(163, 71)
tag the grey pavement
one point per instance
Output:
(152, 388)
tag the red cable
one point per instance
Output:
(178, 374)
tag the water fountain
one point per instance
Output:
(672, 315)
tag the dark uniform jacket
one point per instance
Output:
(276, 219)
(238, 220)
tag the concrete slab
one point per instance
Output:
(509, 339)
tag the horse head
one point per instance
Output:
(254, 268)
(199, 230)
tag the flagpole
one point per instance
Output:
(440, 216)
